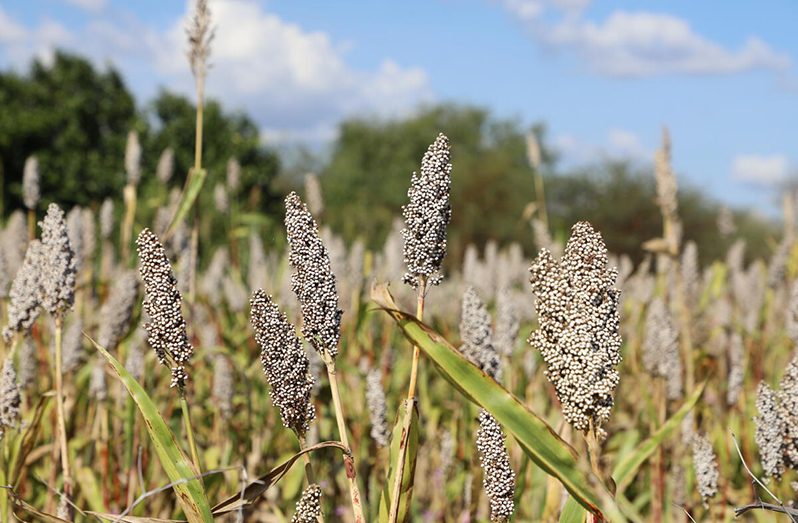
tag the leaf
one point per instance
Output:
(409, 472)
(537, 439)
(132, 519)
(255, 489)
(572, 512)
(179, 469)
(626, 468)
(196, 179)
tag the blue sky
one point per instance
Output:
(605, 76)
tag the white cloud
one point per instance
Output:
(88, 5)
(760, 169)
(639, 43)
(293, 82)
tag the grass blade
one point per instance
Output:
(196, 179)
(537, 439)
(626, 468)
(572, 512)
(406, 491)
(190, 492)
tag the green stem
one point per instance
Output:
(189, 432)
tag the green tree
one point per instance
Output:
(74, 119)
(365, 183)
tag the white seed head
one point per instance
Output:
(284, 363)
(375, 400)
(661, 348)
(706, 468)
(508, 322)
(107, 219)
(476, 333)
(313, 194)
(9, 397)
(117, 311)
(233, 175)
(133, 158)
(498, 477)
(31, 191)
(58, 272)
(166, 166)
(162, 301)
(25, 298)
(312, 280)
(770, 431)
(308, 508)
(223, 385)
(427, 215)
(578, 334)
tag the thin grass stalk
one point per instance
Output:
(411, 398)
(658, 463)
(31, 224)
(189, 431)
(349, 462)
(104, 450)
(60, 415)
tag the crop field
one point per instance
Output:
(165, 360)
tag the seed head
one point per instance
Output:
(312, 280)
(162, 301)
(706, 468)
(736, 369)
(770, 429)
(690, 272)
(792, 314)
(223, 386)
(578, 334)
(9, 396)
(308, 509)
(427, 215)
(220, 199)
(74, 221)
(200, 35)
(313, 194)
(117, 311)
(788, 411)
(284, 363)
(72, 346)
(98, 390)
(477, 335)
(498, 477)
(375, 400)
(134, 363)
(30, 183)
(23, 307)
(211, 282)
(5, 276)
(725, 222)
(166, 166)
(233, 175)
(107, 218)
(57, 276)
(28, 363)
(661, 348)
(133, 158)
(507, 322)
(89, 235)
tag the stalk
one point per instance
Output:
(31, 224)
(59, 388)
(411, 398)
(189, 432)
(349, 462)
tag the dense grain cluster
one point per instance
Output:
(499, 478)
(284, 362)
(427, 215)
(476, 333)
(375, 401)
(706, 468)
(57, 272)
(578, 337)
(162, 301)
(308, 508)
(661, 348)
(117, 311)
(312, 280)
(23, 308)
(9, 397)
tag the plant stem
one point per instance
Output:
(59, 389)
(349, 462)
(411, 398)
(31, 224)
(189, 432)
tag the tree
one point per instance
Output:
(74, 119)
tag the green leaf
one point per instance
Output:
(190, 492)
(196, 179)
(572, 512)
(409, 472)
(537, 439)
(626, 468)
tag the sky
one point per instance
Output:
(605, 76)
